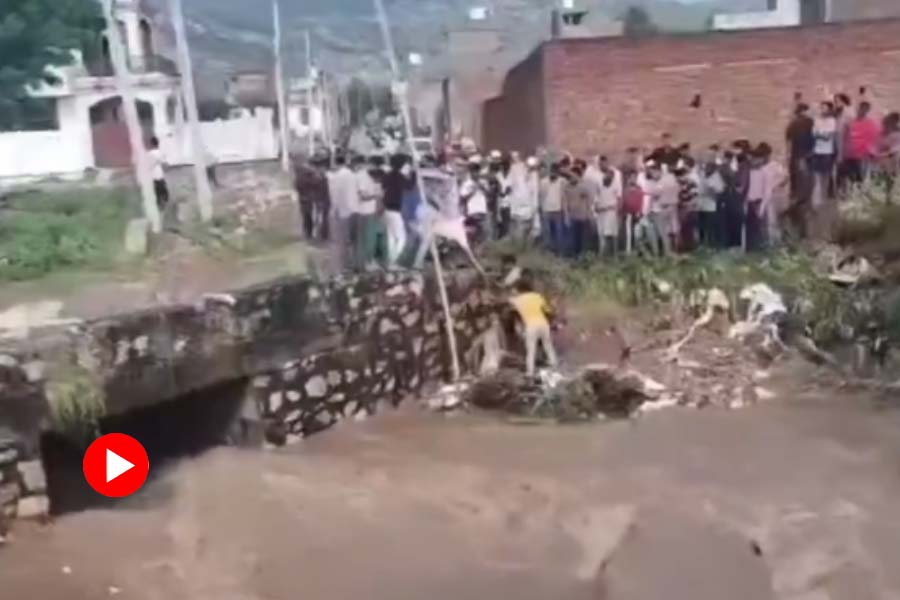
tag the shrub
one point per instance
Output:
(42, 232)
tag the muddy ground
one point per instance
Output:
(795, 498)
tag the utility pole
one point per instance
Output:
(311, 138)
(404, 111)
(279, 90)
(129, 108)
(201, 181)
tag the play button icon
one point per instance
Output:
(116, 465)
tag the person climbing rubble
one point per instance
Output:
(535, 313)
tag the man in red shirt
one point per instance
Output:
(861, 141)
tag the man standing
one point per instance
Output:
(606, 209)
(861, 144)
(396, 183)
(474, 200)
(524, 200)
(371, 195)
(551, 200)
(312, 191)
(344, 193)
(663, 191)
(800, 143)
(579, 206)
(158, 172)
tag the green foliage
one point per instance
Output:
(36, 34)
(77, 402)
(43, 232)
(866, 218)
(638, 22)
(636, 282)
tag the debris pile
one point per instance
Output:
(595, 391)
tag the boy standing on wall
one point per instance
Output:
(535, 312)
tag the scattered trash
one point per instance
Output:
(449, 397)
(66, 570)
(854, 271)
(716, 304)
(114, 591)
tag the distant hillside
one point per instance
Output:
(229, 35)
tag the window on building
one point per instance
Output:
(304, 116)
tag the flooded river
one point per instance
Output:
(796, 498)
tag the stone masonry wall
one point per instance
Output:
(603, 95)
(311, 353)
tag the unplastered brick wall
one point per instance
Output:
(515, 120)
(603, 95)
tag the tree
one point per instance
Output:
(638, 22)
(36, 35)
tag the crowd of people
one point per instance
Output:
(673, 198)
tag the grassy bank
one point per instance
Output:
(634, 282)
(45, 232)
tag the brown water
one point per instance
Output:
(412, 505)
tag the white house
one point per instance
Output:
(312, 109)
(91, 132)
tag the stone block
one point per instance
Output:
(33, 507)
(316, 387)
(33, 476)
(137, 237)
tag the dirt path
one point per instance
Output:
(797, 495)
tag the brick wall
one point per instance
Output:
(606, 94)
(515, 119)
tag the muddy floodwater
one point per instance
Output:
(796, 498)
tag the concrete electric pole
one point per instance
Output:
(310, 135)
(122, 76)
(400, 89)
(204, 193)
(279, 90)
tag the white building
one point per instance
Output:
(778, 13)
(91, 132)
(313, 110)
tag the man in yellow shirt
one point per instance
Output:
(534, 311)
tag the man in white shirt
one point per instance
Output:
(663, 191)
(524, 199)
(344, 192)
(606, 212)
(371, 196)
(474, 200)
(158, 172)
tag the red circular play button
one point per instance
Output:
(116, 465)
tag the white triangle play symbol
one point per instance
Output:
(116, 465)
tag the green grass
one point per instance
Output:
(47, 232)
(635, 282)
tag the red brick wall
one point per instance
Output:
(605, 94)
(515, 120)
